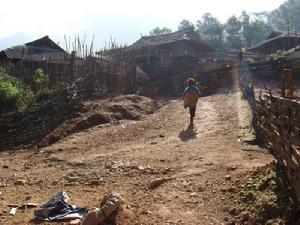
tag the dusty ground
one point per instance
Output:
(126, 156)
(263, 197)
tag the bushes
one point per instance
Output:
(13, 93)
(45, 94)
(40, 79)
(15, 96)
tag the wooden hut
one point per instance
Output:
(38, 50)
(166, 57)
(185, 42)
(277, 41)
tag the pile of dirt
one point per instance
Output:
(94, 113)
(263, 197)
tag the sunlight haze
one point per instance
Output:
(125, 21)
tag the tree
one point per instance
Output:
(185, 24)
(233, 28)
(287, 16)
(211, 29)
(159, 31)
(246, 30)
(258, 31)
(254, 29)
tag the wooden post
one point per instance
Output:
(72, 65)
(290, 84)
(287, 83)
(283, 82)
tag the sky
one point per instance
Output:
(123, 20)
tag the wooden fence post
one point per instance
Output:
(72, 65)
(287, 83)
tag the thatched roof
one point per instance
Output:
(40, 49)
(182, 35)
(277, 41)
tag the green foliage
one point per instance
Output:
(159, 31)
(184, 24)
(258, 31)
(287, 15)
(40, 77)
(237, 32)
(246, 30)
(211, 29)
(233, 28)
(13, 94)
(45, 94)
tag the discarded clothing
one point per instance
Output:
(60, 196)
(56, 208)
(64, 211)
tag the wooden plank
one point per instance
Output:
(291, 164)
(295, 139)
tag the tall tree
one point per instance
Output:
(258, 31)
(211, 29)
(246, 28)
(185, 24)
(159, 31)
(287, 16)
(254, 28)
(233, 28)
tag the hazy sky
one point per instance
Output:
(124, 20)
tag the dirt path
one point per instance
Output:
(127, 156)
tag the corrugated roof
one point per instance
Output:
(272, 38)
(187, 34)
(46, 43)
(274, 34)
(39, 49)
(16, 52)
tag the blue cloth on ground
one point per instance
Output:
(57, 208)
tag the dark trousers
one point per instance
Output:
(192, 112)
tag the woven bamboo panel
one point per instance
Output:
(279, 122)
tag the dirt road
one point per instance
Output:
(127, 156)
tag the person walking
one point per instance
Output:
(191, 95)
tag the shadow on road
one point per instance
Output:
(36, 221)
(187, 134)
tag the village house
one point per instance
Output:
(38, 50)
(277, 41)
(169, 58)
(185, 42)
(163, 61)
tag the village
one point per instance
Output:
(102, 136)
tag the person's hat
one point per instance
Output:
(190, 81)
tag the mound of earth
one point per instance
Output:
(94, 113)
(263, 197)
